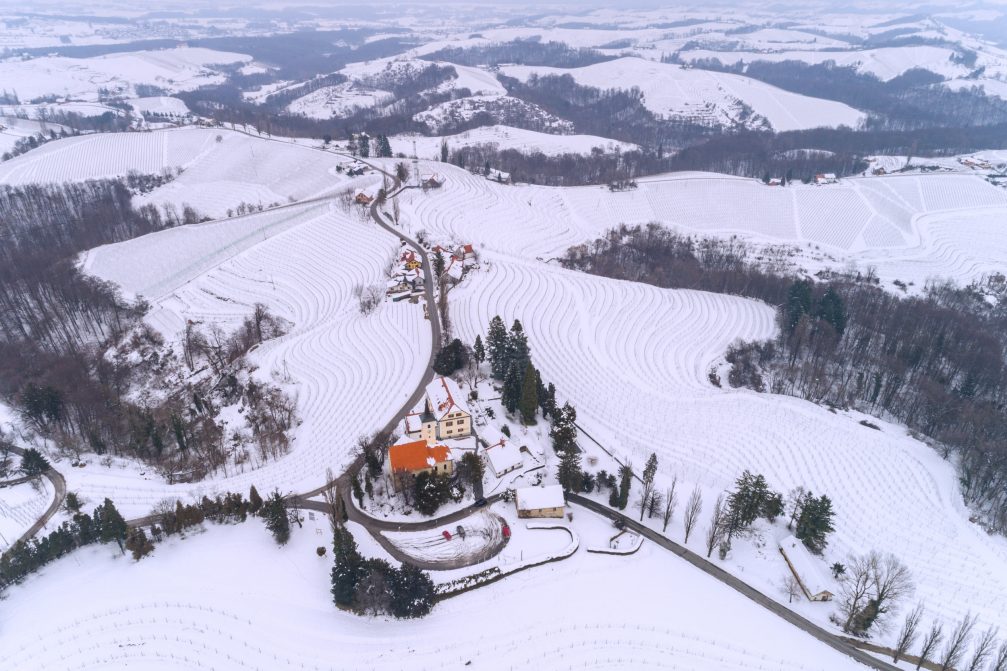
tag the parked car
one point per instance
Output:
(480, 502)
(446, 534)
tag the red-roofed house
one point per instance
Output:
(410, 459)
(445, 413)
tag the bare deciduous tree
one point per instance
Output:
(983, 649)
(1000, 662)
(930, 642)
(670, 503)
(907, 635)
(792, 588)
(855, 589)
(892, 582)
(693, 507)
(716, 531)
(957, 643)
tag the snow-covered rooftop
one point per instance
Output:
(503, 456)
(445, 397)
(807, 567)
(537, 498)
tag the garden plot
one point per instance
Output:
(481, 537)
(653, 349)
(349, 372)
(20, 507)
(191, 604)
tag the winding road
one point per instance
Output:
(375, 526)
(59, 489)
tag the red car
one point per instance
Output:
(446, 534)
(506, 531)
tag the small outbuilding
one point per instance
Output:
(806, 569)
(547, 501)
(504, 457)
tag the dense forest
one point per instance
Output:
(934, 362)
(68, 340)
(913, 99)
(530, 51)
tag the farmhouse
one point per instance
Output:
(504, 457)
(805, 569)
(545, 501)
(362, 199)
(433, 181)
(444, 413)
(408, 460)
(826, 178)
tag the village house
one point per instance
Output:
(503, 457)
(444, 413)
(805, 569)
(362, 199)
(433, 181)
(826, 178)
(407, 460)
(545, 501)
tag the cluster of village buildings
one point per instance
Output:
(442, 419)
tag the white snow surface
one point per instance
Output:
(506, 137)
(235, 600)
(348, 372)
(217, 175)
(672, 90)
(177, 69)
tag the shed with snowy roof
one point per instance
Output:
(547, 501)
(806, 569)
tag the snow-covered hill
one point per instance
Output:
(707, 97)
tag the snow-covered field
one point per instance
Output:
(910, 227)
(712, 97)
(160, 105)
(20, 506)
(221, 168)
(230, 599)
(348, 372)
(506, 137)
(176, 69)
(646, 390)
(13, 129)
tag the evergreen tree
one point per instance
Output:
(569, 473)
(547, 401)
(496, 344)
(564, 429)
(471, 469)
(815, 523)
(528, 403)
(513, 385)
(346, 571)
(384, 146)
(649, 473)
(478, 351)
(518, 352)
(413, 592)
(430, 491)
(625, 484)
(798, 302)
(438, 264)
(444, 151)
(33, 463)
(364, 144)
(254, 500)
(110, 524)
(831, 310)
(358, 493)
(138, 544)
(274, 511)
(450, 358)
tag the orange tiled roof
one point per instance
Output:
(417, 455)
